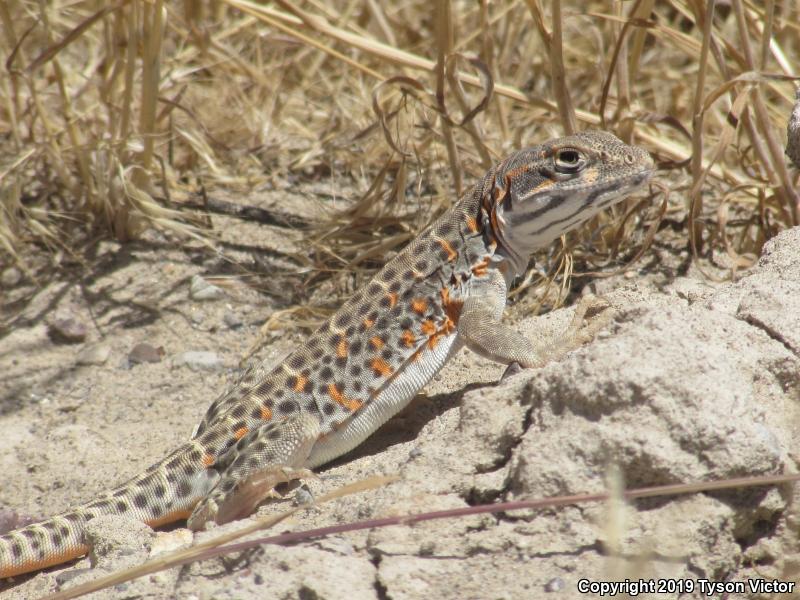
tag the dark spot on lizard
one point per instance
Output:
(264, 388)
(343, 320)
(297, 362)
(184, 489)
(239, 411)
(287, 407)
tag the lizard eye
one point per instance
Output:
(568, 160)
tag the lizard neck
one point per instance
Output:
(485, 202)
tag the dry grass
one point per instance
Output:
(111, 114)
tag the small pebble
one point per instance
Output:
(199, 360)
(93, 354)
(200, 289)
(67, 330)
(168, 541)
(232, 320)
(303, 496)
(10, 277)
(556, 584)
(145, 353)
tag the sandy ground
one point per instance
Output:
(689, 382)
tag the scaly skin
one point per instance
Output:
(446, 289)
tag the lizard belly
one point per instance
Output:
(391, 399)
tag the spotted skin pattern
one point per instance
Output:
(446, 289)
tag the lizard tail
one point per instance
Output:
(163, 493)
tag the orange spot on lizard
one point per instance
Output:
(472, 224)
(392, 299)
(208, 460)
(428, 327)
(446, 329)
(377, 342)
(368, 323)
(300, 384)
(419, 305)
(351, 404)
(452, 308)
(381, 368)
(266, 413)
(451, 254)
(240, 433)
(408, 338)
(341, 349)
(481, 268)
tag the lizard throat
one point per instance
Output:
(494, 233)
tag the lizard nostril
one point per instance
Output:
(629, 159)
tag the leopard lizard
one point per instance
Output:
(447, 289)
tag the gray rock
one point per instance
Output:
(200, 289)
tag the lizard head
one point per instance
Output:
(545, 191)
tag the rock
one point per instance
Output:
(200, 289)
(696, 383)
(232, 320)
(145, 353)
(93, 354)
(67, 330)
(10, 277)
(118, 542)
(199, 361)
(556, 584)
(169, 541)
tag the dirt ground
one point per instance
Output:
(690, 382)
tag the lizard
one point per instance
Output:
(447, 289)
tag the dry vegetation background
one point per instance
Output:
(115, 115)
